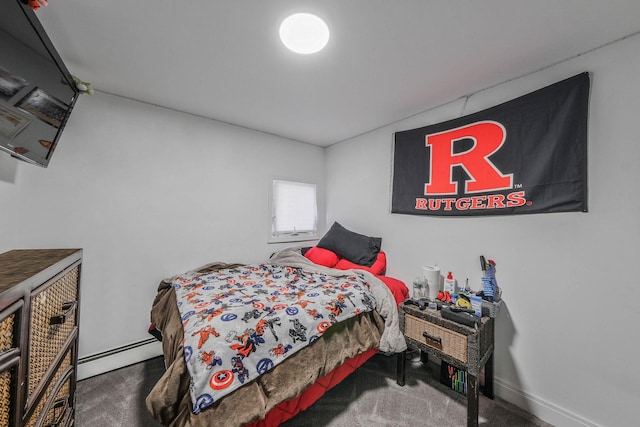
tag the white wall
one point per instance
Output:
(567, 345)
(147, 193)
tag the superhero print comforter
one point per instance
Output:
(170, 401)
(240, 322)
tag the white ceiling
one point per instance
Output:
(386, 59)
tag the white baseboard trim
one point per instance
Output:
(542, 409)
(105, 361)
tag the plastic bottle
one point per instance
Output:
(419, 287)
(450, 283)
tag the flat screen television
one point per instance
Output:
(37, 92)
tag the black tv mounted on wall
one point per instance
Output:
(37, 92)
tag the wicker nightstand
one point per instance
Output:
(464, 347)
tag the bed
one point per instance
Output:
(268, 366)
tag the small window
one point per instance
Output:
(294, 211)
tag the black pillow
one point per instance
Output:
(357, 248)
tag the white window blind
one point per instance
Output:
(295, 210)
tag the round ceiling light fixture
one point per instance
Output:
(304, 33)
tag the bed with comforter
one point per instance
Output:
(255, 344)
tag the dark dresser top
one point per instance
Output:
(20, 265)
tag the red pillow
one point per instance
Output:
(397, 287)
(322, 256)
(378, 267)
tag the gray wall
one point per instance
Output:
(567, 343)
(147, 193)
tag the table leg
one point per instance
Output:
(488, 378)
(400, 371)
(472, 400)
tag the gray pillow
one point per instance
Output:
(357, 248)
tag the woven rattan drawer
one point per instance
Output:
(7, 384)
(442, 339)
(55, 406)
(53, 319)
(9, 357)
(7, 333)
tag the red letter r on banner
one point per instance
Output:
(488, 137)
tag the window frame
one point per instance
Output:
(293, 237)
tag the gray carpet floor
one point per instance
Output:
(368, 397)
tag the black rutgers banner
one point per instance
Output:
(528, 155)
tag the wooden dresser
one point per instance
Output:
(39, 296)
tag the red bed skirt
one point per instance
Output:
(289, 408)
